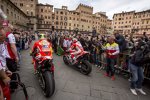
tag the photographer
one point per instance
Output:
(136, 62)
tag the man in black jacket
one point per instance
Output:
(136, 62)
(120, 40)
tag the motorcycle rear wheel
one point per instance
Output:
(49, 84)
(86, 67)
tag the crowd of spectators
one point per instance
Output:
(23, 39)
(133, 53)
(93, 44)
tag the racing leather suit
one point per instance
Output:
(41, 48)
(76, 49)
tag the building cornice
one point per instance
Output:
(60, 9)
(40, 4)
(132, 12)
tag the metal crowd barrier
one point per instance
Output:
(122, 65)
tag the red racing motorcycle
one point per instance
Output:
(45, 74)
(82, 62)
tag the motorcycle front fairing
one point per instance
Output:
(83, 56)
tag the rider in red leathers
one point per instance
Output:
(41, 48)
(75, 50)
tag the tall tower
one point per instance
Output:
(29, 7)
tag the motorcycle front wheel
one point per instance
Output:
(65, 60)
(49, 84)
(86, 67)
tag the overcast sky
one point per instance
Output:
(108, 6)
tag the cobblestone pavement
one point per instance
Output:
(72, 85)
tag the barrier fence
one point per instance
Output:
(122, 65)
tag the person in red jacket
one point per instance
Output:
(41, 48)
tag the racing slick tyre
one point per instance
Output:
(49, 84)
(86, 67)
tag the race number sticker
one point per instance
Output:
(45, 48)
(45, 45)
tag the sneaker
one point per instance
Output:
(141, 91)
(113, 78)
(133, 91)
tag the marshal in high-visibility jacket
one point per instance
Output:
(112, 50)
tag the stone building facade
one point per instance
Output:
(73, 20)
(29, 8)
(61, 18)
(132, 22)
(15, 16)
(41, 17)
(44, 14)
(109, 24)
(81, 19)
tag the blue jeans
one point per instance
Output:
(110, 66)
(137, 76)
